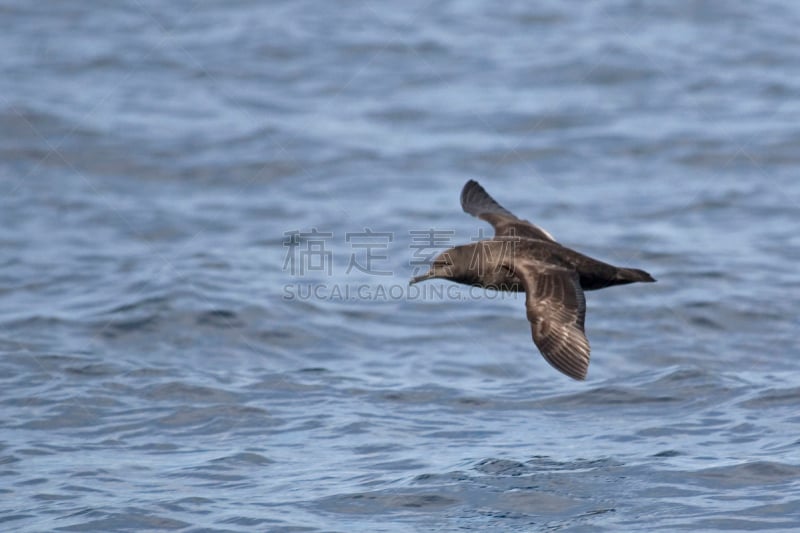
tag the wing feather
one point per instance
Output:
(556, 310)
(478, 203)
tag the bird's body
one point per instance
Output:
(523, 257)
(484, 255)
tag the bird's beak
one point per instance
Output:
(423, 277)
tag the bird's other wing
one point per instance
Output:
(556, 309)
(477, 202)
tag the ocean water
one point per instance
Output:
(209, 213)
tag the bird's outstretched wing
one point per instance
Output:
(477, 202)
(556, 309)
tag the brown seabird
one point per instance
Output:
(523, 257)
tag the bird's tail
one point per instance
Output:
(631, 275)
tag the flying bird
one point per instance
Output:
(524, 257)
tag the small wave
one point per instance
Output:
(772, 398)
(754, 473)
(181, 392)
(244, 459)
(382, 502)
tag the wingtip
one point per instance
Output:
(578, 374)
(573, 365)
(465, 191)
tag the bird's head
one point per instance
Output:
(443, 266)
(482, 263)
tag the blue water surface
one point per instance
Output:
(209, 213)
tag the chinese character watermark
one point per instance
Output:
(426, 245)
(313, 257)
(368, 241)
